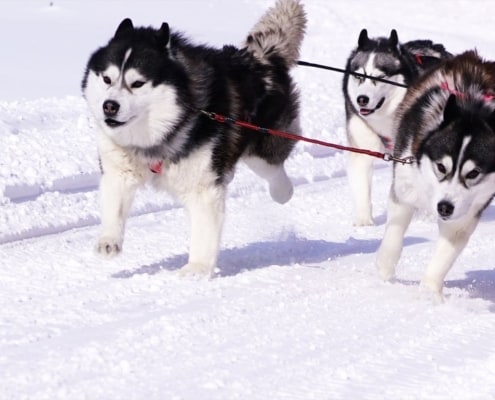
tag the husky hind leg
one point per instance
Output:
(206, 208)
(280, 186)
(279, 33)
(266, 157)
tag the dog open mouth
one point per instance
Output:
(367, 111)
(112, 123)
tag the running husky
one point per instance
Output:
(144, 89)
(370, 105)
(447, 124)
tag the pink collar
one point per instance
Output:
(156, 166)
(445, 86)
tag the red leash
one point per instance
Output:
(228, 120)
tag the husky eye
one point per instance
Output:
(107, 80)
(473, 174)
(441, 168)
(359, 79)
(137, 84)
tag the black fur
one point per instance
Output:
(205, 79)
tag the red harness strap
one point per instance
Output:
(292, 136)
(455, 92)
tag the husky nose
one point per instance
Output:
(110, 108)
(445, 208)
(363, 100)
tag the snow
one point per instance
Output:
(297, 310)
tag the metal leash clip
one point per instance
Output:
(406, 160)
(209, 114)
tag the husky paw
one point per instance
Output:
(430, 293)
(385, 272)
(363, 221)
(281, 189)
(196, 270)
(108, 247)
(385, 268)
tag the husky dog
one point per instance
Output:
(447, 124)
(370, 105)
(144, 89)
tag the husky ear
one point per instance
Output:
(363, 38)
(394, 38)
(124, 28)
(451, 110)
(163, 34)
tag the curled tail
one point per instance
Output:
(280, 32)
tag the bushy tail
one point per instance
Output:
(280, 31)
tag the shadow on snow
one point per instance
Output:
(479, 284)
(288, 251)
(293, 250)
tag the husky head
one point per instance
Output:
(380, 58)
(457, 160)
(131, 86)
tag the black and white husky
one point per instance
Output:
(371, 105)
(447, 124)
(144, 89)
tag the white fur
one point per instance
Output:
(381, 121)
(420, 188)
(141, 129)
(123, 174)
(366, 132)
(280, 186)
(191, 180)
(360, 168)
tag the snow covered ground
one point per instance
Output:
(297, 310)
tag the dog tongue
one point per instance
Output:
(365, 111)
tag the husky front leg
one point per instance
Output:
(206, 212)
(117, 192)
(359, 174)
(119, 180)
(399, 217)
(452, 240)
(360, 168)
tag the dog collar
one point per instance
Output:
(387, 142)
(445, 86)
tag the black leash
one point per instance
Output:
(345, 71)
(244, 124)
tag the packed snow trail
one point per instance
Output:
(296, 309)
